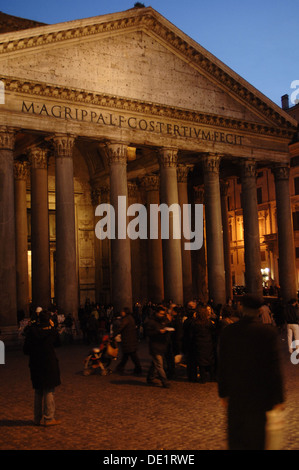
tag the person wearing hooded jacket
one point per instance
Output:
(39, 345)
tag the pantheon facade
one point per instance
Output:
(126, 104)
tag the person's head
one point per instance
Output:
(191, 305)
(161, 313)
(125, 311)
(202, 314)
(251, 304)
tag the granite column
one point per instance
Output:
(252, 254)
(286, 262)
(172, 254)
(214, 234)
(8, 288)
(120, 245)
(66, 289)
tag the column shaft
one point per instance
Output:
(253, 276)
(215, 256)
(40, 248)
(186, 254)
(66, 266)
(287, 267)
(200, 282)
(154, 246)
(21, 173)
(172, 254)
(120, 247)
(226, 239)
(8, 304)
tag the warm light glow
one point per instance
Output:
(131, 153)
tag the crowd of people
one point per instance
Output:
(193, 336)
(181, 336)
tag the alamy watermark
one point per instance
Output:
(295, 94)
(159, 220)
(2, 353)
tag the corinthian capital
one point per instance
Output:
(168, 157)
(7, 138)
(117, 153)
(281, 172)
(63, 144)
(182, 172)
(21, 170)
(248, 169)
(150, 183)
(38, 158)
(211, 163)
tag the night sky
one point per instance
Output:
(258, 39)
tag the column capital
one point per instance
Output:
(132, 189)
(99, 194)
(150, 183)
(223, 188)
(7, 138)
(117, 153)
(248, 168)
(199, 194)
(182, 172)
(168, 157)
(281, 171)
(211, 162)
(38, 157)
(63, 145)
(21, 170)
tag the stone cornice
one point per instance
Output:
(85, 97)
(162, 30)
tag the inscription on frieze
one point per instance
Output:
(109, 119)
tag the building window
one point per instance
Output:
(296, 220)
(296, 184)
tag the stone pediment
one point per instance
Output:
(133, 57)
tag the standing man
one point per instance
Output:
(129, 341)
(249, 377)
(158, 345)
(44, 368)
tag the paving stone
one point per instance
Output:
(121, 412)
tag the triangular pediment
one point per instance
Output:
(137, 55)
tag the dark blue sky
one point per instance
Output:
(258, 39)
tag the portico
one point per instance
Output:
(168, 118)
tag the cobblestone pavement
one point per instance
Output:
(121, 412)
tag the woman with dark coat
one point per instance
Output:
(201, 346)
(39, 344)
(129, 341)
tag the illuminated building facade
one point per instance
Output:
(126, 104)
